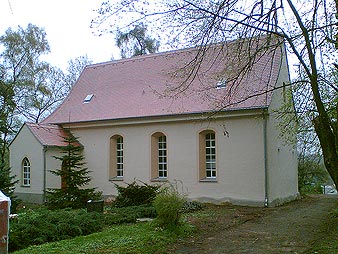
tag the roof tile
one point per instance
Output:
(162, 84)
(48, 134)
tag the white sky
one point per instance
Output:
(67, 24)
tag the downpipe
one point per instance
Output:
(266, 175)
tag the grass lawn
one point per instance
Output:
(214, 221)
(127, 238)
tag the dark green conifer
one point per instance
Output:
(74, 178)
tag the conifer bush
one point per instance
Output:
(74, 178)
(134, 194)
(7, 185)
(41, 225)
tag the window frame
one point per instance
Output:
(159, 157)
(207, 156)
(116, 158)
(119, 157)
(162, 157)
(26, 172)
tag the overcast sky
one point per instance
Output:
(67, 24)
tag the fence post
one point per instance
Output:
(5, 203)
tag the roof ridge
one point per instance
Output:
(43, 124)
(141, 57)
(163, 53)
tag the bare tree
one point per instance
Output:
(308, 29)
(51, 86)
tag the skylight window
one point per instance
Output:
(88, 98)
(221, 84)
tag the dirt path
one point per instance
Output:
(287, 229)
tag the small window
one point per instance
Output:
(162, 157)
(26, 172)
(116, 158)
(221, 84)
(159, 160)
(210, 155)
(119, 157)
(88, 98)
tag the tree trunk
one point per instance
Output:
(328, 145)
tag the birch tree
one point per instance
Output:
(136, 42)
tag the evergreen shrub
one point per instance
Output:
(141, 211)
(7, 185)
(74, 191)
(134, 194)
(42, 225)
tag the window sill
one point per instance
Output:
(159, 180)
(116, 178)
(209, 180)
(25, 186)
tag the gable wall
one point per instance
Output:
(26, 145)
(282, 155)
(240, 160)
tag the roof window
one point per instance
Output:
(221, 84)
(88, 98)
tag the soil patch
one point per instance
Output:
(291, 228)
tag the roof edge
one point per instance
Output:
(165, 116)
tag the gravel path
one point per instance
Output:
(287, 229)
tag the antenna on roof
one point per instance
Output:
(10, 7)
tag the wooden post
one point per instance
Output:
(4, 222)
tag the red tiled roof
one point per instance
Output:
(140, 86)
(48, 134)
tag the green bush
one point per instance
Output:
(73, 198)
(135, 195)
(128, 214)
(312, 174)
(141, 211)
(311, 189)
(168, 204)
(42, 225)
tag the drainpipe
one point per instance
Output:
(266, 179)
(45, 148)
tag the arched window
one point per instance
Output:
(116, 157)
(207, 155)
(159, 161)
(26, 172)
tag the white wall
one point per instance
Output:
(282, 153)
(240, 158)
(26, 145)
